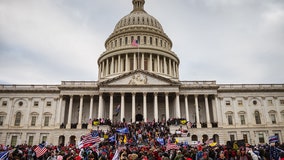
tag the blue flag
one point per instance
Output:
(161, 141)
(112, 138)
(4, 155)
(122, 130)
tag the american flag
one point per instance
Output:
(171, 146)
(135, 43)
(40, 150)
(90, 139)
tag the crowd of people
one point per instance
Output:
(145, 141)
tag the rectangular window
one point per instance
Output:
(282, 102)
(273, 118)
(230, 120)
(145, 40)
(31, 140)
(33, 121)
(228, 103)
(232, 137)
(35, 103)
(245, 137)
(120, 42)
(14, 141)
(132, 38)
(151, 40)
(156, 40)
(126, 40)
(261, 138)
(1, 120)
(270, 103)
(48, 103)
(240, 102)
(243, 121)
(138, 38)
(44, 138)
(4, 103)
(46, 120)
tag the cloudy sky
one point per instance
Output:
(230, 41)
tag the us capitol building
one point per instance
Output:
(143, 80)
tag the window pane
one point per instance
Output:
(273, 118)
(230, 120)
(46, 120)
(18, 119)
(31, 139)
(33, 122)
(243, 121)
(261, 138)
(14, 141)
(232, 137)
(257, 117)
(1, 120)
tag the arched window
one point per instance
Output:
(257, 117)
(194, 138)
(18, 119)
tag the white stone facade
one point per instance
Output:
(144, 81)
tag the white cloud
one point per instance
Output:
(231, 41)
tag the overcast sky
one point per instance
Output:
(230, 41)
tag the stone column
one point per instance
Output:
(126, 63)
(219, 112)
(58, 112)
(177, 106)
(167, 106)
(150, 63)
(91, 111)
(119, 64)
(107, 67)
(112, 65)
(27, 118)
(103, 68)
(79, 126)
(41, 117)
(186, 107)
(158, 63)
(142, 61)
(135, 61)
(133, 107)
(236, 118)
(156, 114)
(145, 106)
(100, 110)
(111, 106)
(122, 115)
(68, 126)
(209, 125)
(197, 111)
(170, 67)
(10, 112)
(165, 65)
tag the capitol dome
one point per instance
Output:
(152, 53)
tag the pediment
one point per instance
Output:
(139, 77)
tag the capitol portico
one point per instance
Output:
(139, 82)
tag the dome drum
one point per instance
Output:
(153, 53)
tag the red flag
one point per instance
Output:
(135, 43)
(40, 150)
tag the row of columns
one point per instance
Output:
(122, 105)
(116, 64)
